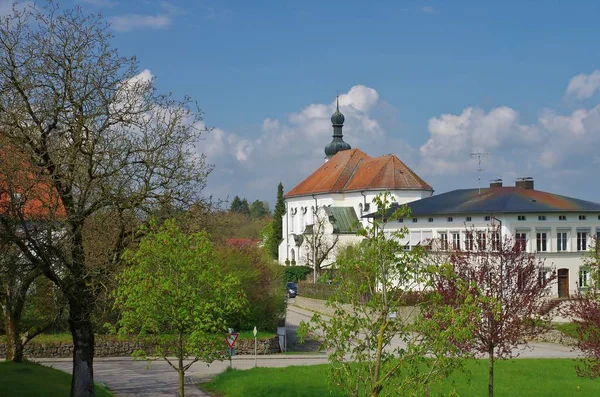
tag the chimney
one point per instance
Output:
(525, 183)
(496, 183)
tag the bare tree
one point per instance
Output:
(94, 139)
(506, 284)
(319, 241)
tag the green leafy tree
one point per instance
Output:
(176, 296)
(262, 282)
(236, 205)
(244, 207)
(257, 210)
(379, 346)
(276, 236)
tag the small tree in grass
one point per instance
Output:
(585, 311)
(175, 298)
(506, 284)
(377, 345)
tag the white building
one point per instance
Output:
(556, 228)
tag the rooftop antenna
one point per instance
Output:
(479, 155)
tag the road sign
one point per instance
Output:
(231, 339)
(255, 331)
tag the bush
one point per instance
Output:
(262, 282)
(316, 291)
(296, 273)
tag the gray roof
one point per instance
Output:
(496, 200)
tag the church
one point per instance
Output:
(336, 196)
(323, 210)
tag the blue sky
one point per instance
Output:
(430, 81)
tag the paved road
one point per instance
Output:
(532, 350)
(128, 378)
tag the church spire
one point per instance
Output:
(337, 144)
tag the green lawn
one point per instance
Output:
(519, 377)
(32, 380)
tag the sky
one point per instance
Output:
(429, 81)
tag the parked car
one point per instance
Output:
(292, 290)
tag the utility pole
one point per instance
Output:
(479, 155)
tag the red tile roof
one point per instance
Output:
(353, 170)
(18, 179)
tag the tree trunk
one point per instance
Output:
(181, 377)
(82, 384)
(14, 347)
(491, 373)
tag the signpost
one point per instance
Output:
(255, 343)
(231, 338)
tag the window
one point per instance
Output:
(561, 241)
(541, 241)
(401, 220)
(444, 241)
(583, 277)
(495, 241)
(414, 220)
(543, 275)
(521, 217)
(450, 219)
(562, 217)
(599, 217)
(582, 217)
(468, 219)
(469, 241)
(581, 241)
(456, 241)
(542, 218)
(487, 217)
(521, 241)
(430, 219)
(481, 241)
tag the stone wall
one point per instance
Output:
(116, 348)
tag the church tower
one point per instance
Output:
(337, 144)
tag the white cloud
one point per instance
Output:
(290, 148)
(427, 9)
(130, 22)
(558, 149)
(584, 86)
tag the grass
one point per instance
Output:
(30, 379)
(259, 334)
(519, 377)
(569, 329)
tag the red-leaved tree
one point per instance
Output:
(585, 311)
(507, 284)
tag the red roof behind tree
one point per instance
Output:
(26, 189)
(353, 170)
